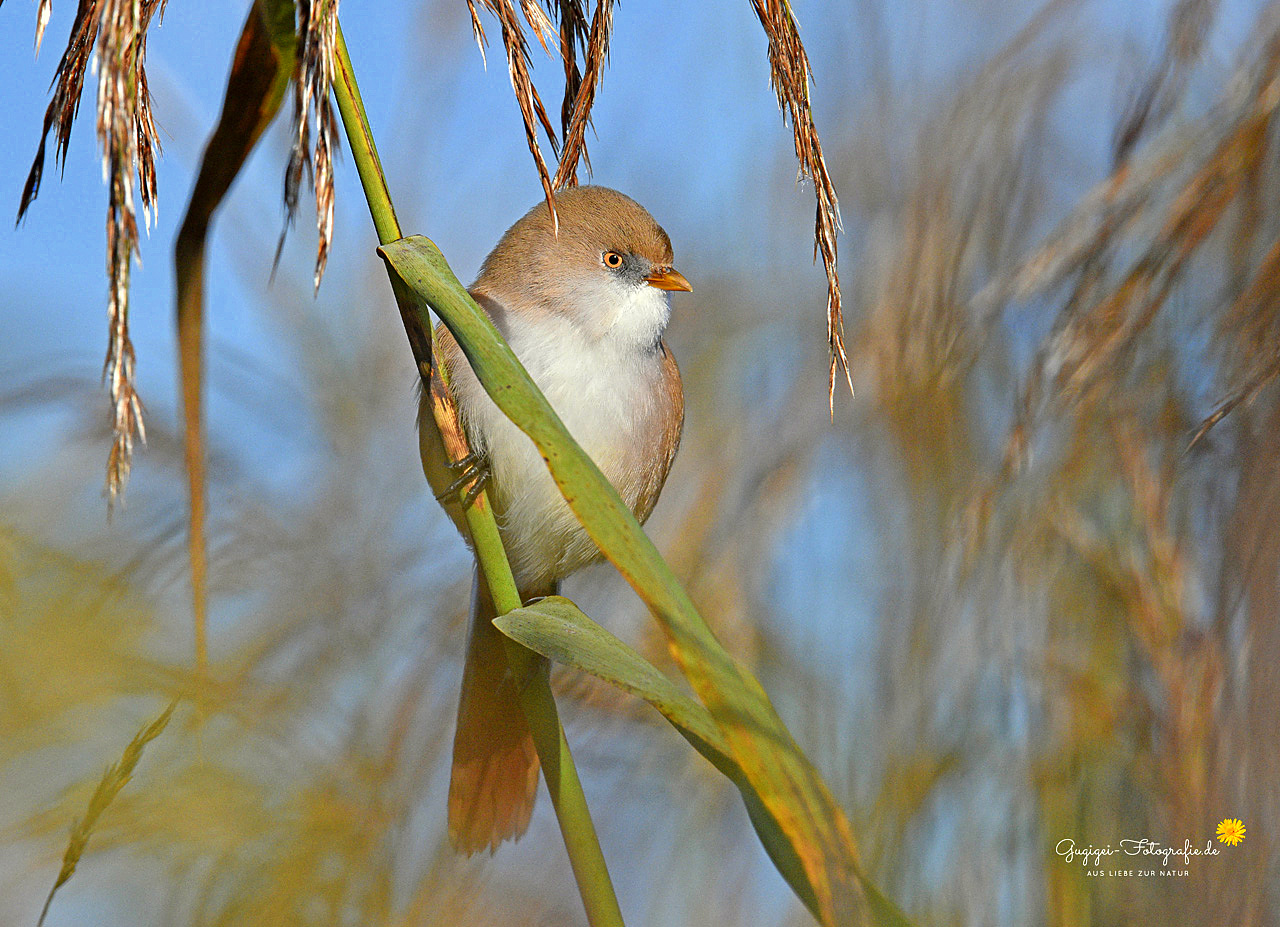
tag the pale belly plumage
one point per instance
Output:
(609, 395)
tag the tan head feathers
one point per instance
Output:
(593, 220)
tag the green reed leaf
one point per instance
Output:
(556, 628)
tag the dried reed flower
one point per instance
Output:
(791, 77)
(117, 29)
(1170, 197)
(42, 20)
(574, 34)
(313, 112)
(584, 87)
(116, 778)
(1110, 325)
(543, 28)
(517, 47)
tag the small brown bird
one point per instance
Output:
(585, 310)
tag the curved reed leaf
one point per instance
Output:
(560, 631)
(259, 77)
(777, 771)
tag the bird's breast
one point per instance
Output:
(614, 399)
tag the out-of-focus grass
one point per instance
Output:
(1021, 606)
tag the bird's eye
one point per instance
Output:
(612, 259)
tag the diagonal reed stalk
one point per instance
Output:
(581, 842)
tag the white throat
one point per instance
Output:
(634, 317)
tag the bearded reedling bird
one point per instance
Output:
(584, 309)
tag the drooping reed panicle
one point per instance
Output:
(115, 31)
(313, 113)
(790, 73)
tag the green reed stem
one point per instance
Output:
(536, 700)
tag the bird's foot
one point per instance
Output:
(473, 473)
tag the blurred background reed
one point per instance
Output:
(1017, 592)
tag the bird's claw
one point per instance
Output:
(473, 459)
(474, 474)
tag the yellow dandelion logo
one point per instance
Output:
(1231, 831)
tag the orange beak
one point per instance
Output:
(668, 278)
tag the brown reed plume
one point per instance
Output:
(1178, 190)
(42, 20)
(577, 115)
(517, 47)
(313, 112)
(790, 73)
(574, 31)
(115, 31)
